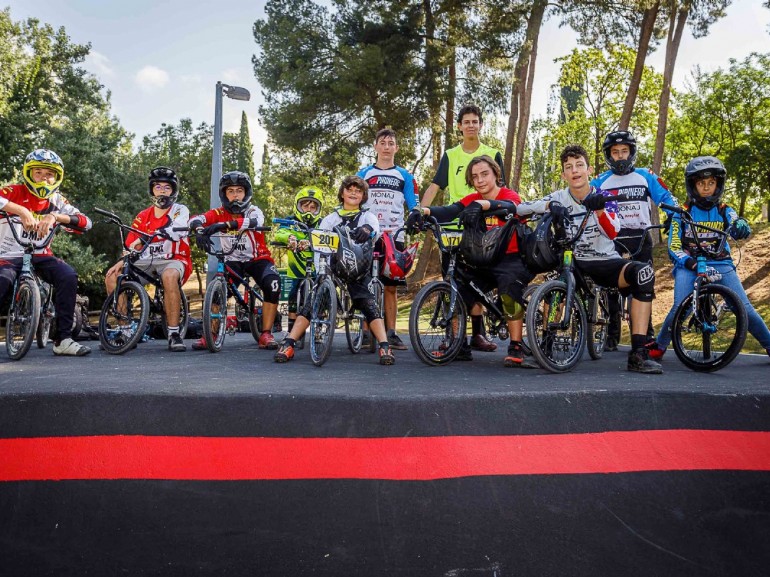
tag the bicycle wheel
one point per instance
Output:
(526, 295)
(598, 325)
(184, 315)
(215, 315)
(354, 326)
(304, 293)
(124, 317)
(708, 336)
(47, 318)
(378, 290)
(23, 318)
(436, 328)
(555, 349)
(323, 322)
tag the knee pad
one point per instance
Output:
(641, 278)
(369, 309)
(513, 310)
(271, 289)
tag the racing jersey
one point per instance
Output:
(681, 239)
(351, 219)
(596, 242)
(451, 169)
(639, 187)
(296, 261)
(176, 247)
(389, 190)
(252, 245)
(19, 194)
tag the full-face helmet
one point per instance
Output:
(703, 167)
(235, 178)
(43, 158)
(625, 166)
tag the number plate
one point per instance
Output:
(324, 241)
(451, 238)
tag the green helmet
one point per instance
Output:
(309, 193)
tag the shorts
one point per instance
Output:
(157, 267)
(264, 273)
(605, 273)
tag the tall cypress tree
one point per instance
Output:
(245, 150)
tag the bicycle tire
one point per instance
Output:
(215, 315)
(184, 315)
(43, 333)
(436, 332)
(23, 319)
(304, 294)
(556, 350)
(118, 331)
(714, 302)
(525, 296)
(323, 322)
(596, 337)
(255, 313)
(354, 326)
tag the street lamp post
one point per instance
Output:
(236, 93)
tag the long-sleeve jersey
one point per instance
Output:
(296, 260)
(448, 213)
(389, 190)
(175, 247)
(681, 239)
(639, 187)
(351, 219)
(596, 242)
(252, 245)
(19, 194)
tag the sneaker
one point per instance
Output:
(610, 345)
(465, 353)
(655, 351)
(482, 343)
(519, 357)
(386, 356)
(639, 362)
(284, 354)
(396, 343)
(267, 341)
(200, 345)
(175, 343)
(70, 348)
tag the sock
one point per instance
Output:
(638, 342)
(384, 345)
(289, 342)
(477, 325)
(172, 330)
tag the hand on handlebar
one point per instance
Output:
(28, 221)
(740, 229)
(559, 212)
(470, 216)
(595, 201)
(414, 221)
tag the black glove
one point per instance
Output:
(203, 241)
(559, 212)
(595, 201)
(691, 263)
(471, 214)
(362, 233)
(414, 221)
(214, 228)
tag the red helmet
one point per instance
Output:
(396, 263)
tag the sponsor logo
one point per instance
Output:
(645, 274)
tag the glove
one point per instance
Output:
(470, 216)
(414, 221)
(740, 229)
(595, 201)
(559, 212)
(362, 234)
(214, 228)
(203, 241)
(690, 263)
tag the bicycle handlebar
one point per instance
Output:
(40, 243)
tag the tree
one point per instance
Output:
(245, 149)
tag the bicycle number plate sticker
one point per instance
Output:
(324, 241)
(451, 238)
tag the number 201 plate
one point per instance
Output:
(324, 241)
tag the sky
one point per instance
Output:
(161, 60)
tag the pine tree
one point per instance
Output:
(245, 150)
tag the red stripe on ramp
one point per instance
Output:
(407, 459)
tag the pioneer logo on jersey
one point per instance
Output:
(387, 182)
(631, 193)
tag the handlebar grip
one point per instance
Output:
(102, 212)
(261, 228)
(284, 221)
(671, 208)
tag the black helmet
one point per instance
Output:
(702, 167)
(540, 251)
(235, 178)
(164, 174)
(620, 137)
(352, 261)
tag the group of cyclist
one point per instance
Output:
(371, 213)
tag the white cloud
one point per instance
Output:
(150, 78)
(99, 63)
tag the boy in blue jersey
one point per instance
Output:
(705, 183)
(639, 186)
(391, 188)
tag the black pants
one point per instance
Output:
(58, 274)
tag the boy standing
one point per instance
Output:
(391, 187)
